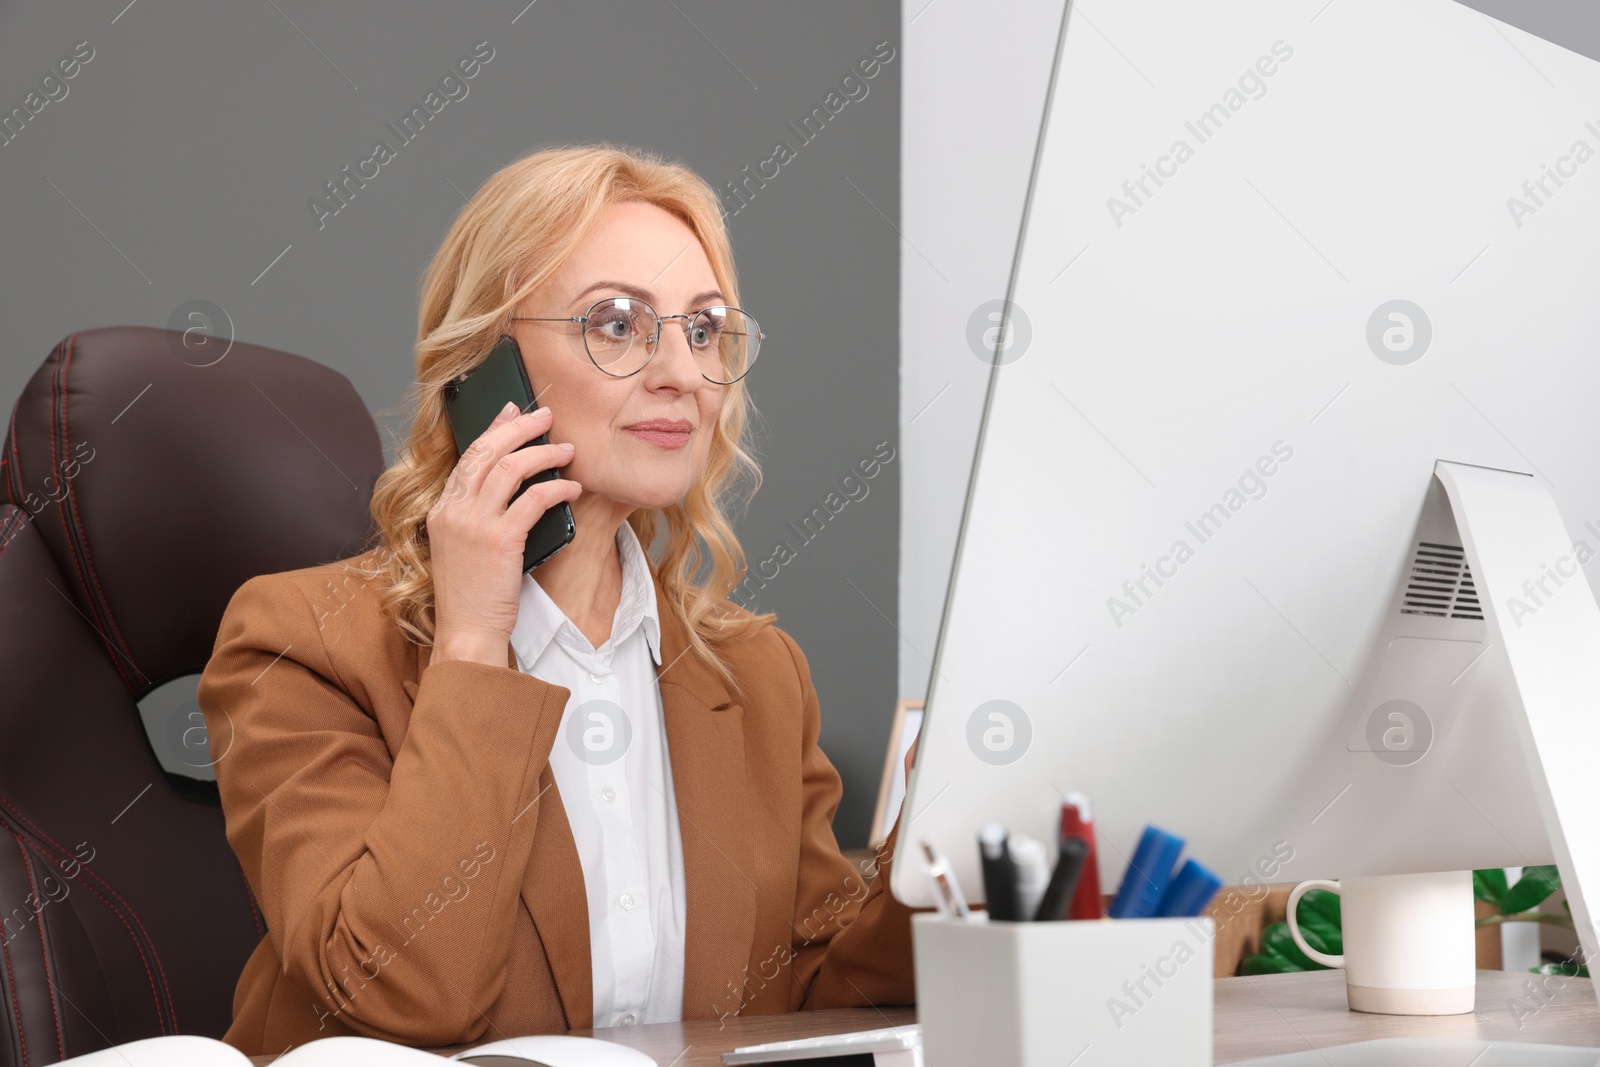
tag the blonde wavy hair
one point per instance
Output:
(514, 233)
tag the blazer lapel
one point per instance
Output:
(552, 887)
(705, 742)
(554, 894)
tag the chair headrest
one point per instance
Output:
(161, 485)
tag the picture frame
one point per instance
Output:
(892, 786)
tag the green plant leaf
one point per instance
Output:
(1489, 885)
(1531, 889)
(1276, 941)
(1321, 934)
(1320, 921)
(1321, 902)
(1568, 969)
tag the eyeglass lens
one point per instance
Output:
(620, 334)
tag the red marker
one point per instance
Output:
(1077, 821)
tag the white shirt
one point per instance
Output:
(612, 769)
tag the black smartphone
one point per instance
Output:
(473, 401)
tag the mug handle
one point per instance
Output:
(1293, 919)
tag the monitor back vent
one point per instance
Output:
(1440, 584)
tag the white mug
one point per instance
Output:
(1409, 941)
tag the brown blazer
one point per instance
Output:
(402, 830)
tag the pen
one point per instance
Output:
(947, 891)
(1070, 862)
(1191, 890)
(1147, 876)
(1033, 874)
(1077, 821)
(999, 876)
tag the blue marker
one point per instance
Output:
(1147, 876)
(1191, 890)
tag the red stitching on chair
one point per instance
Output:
(155, 994)
(16, 1007)
(83, 583)
(44, 949)
(12, 529)
(149, 941)
(16, 459)
(72, 496)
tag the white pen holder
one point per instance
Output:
(1088, 993)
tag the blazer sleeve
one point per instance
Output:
(389, 885)
(852, 941)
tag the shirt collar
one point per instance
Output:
(540, 621)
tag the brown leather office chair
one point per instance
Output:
(145, 481)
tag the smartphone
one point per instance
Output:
(473, 401)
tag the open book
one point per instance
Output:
(540, 1051)
(892, 1046)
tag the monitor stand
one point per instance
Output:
(1493, 586)
(1542, 614)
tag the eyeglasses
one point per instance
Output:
(621, 333)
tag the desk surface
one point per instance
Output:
(1272, 1014)
(1254, 1017)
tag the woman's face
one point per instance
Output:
(641, 251)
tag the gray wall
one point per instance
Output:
(179, 164)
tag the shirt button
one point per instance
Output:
(608, 794)
(628, 1019)
(598, 678)
(626, 900)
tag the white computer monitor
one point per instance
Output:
(1278, 262)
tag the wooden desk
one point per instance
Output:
(1257, 1016)
(1270, 1014)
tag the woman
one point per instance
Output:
(475, 804)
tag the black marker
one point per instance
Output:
(999, 875)
(1064, 880)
